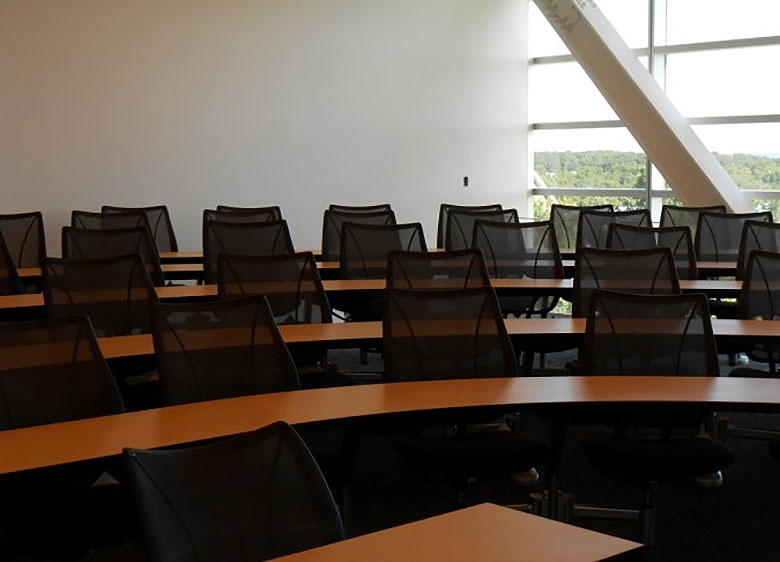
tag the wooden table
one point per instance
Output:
(486, 532)
(61, 443)
(557, 287)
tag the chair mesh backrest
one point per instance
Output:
(365, 247)
(649, 335)
(244, 214)
(444, 211)
(593, 228)
(9, 278)
(249, 239)
(384, 207)
(517, 250)
(213, 350)
(290, 283)
(672, 215)
(254, 496)
(760, 296)
(437, 270)
(85, 244)
(757, 235)
(432, 335)
(115, 293)
(159, 222)
(566, 221)
(24, 238)
(719, 235)
(107, 221)
(460, 225)
(53, 371)
(676, 238)
(333, 221)
(650, 271)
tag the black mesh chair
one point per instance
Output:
(384, 207)
(757, 235)
(460, 334)
(251, 239)
(460, 225)
(651, 335)
(444, 211)
(293, 288)
(334, 219)
(672, 215)
(115, 293)
(9, 278)
(85, 244)
(207, 351)
(255, 496)
(760, 300)
(365, 247)
(107, 221)
(53, 371)
(463, 269)
(650, 271)
(676, 238)
(566, 220)
(159, 220)
(517, 251)
(593, 227)
(244, 214)
(719, 235)
(24, 238)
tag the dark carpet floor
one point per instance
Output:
(738, 521)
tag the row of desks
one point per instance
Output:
(68, 442)
(330, 269)
(557, 287)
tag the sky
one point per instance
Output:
(741, 81)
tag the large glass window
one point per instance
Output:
(716, 59)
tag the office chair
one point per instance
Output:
(719, 235)
(676, 238)
(756, 235)
(106, 221)
(593, 227)
(454, 334)
(159, 220)
(650, 271)
(462, 269)
(629, 334)
(444, 211)
(85, 244)
(226, 213)
(9, 278)
(365, 247)
(460, 225)
(334, 219)
(361, 208)
(566, 220)
(252, 239)
(673, 215)
(255, 496)
(24, 238)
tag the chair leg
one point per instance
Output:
(528, 363)
(647, 516)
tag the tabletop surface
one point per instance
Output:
(486, 532)
(60, 443)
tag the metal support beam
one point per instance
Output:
(668, 139)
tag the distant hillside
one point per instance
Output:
(604, 168)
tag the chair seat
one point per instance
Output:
(774, 450)
(659, 460)
(750, 373)
(485, 455)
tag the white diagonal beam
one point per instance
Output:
(694, 174)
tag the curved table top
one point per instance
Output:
(60, 443)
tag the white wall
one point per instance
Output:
(299, 103)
